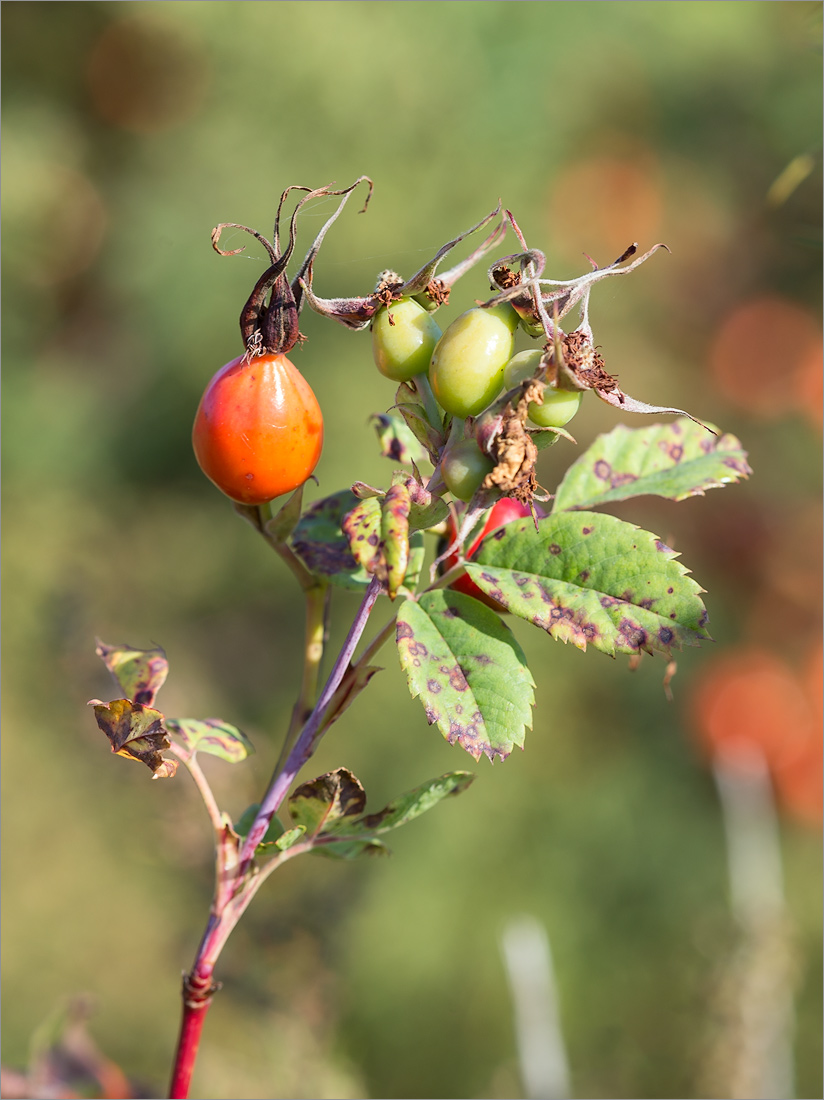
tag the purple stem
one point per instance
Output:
(305, 744)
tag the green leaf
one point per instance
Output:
(350, 849)
(591, 579)
(272, 835)
(321, 802)
(674, 461)
(289, 838)
(546, 438)
(422, 517)
(140, 673)
(401, 810)
(397, 440)
(283, 523)
(429, 436)
(417, 553)
(322, 546)
(213, 736)
(468, 670)
(412, 804)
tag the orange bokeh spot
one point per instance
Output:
(809, 384)
(606, 203)
(752, 698)
(766, 353)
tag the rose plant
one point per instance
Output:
(478, 419)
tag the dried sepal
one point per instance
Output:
(572, 360)
(272, 326)
(356, 313)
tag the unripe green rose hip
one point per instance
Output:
(404, 349)
(559, 406)
(463, 468)
(468, 363)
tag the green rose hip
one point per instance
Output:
(468, 363)
(463, 468)
(559, 406)
(404, 348)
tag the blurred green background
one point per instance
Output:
(130, 130)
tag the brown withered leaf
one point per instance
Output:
(325, 800)
(136, 732)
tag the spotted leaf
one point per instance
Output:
(468, 671)
(322, 546)
(322, 802)
(592, 579)
(397, 440)
(393, 558)
(674, 461)
(412, 804)
(362, 527)
(213, 736)
(359, 836)
(140, 673)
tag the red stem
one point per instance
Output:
(190, 1028)
(233, 890)
(197, 997)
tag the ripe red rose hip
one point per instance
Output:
(258, 431)
(505, 510)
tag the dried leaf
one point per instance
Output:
(136, 732)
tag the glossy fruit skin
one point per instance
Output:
(559, 406)
(504, 511)
(467, 370)
(463, 468)
(258, 431)
(404, 349)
